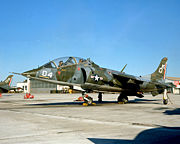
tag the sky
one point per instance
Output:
(111, 33)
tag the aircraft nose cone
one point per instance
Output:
(31, 73)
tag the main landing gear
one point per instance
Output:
(89, 100)
(122, 98)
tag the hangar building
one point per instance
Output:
(176, 82)
(34, 86)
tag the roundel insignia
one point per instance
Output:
(96, 77)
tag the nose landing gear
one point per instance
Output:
(87, 100)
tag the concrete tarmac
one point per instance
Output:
(56, 118)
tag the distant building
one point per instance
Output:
(24, 86)
(41, 87)
(176, 82)
(35, 86)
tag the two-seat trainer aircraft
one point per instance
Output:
(73, 71)
(5, 85)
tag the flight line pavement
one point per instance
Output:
(56, 118)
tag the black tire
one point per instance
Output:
(125, 99)
(100, 98)
(119, 99)
(165, 101)
(122, 98)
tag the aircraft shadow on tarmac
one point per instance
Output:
(161, 135)
(7, 95)
(75, 103)
(173, 112)
(147, 101)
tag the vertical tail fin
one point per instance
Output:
(8, 80)
(159, 74)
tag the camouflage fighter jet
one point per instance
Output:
(73, 71)
(5, 85)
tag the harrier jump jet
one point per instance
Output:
(5, 85)
(73, 71)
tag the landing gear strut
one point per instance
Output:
(165, 97)
(122, 98)
(100, 97)
(87, 100)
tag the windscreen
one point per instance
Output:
(64, 61)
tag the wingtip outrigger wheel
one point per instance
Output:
(165, 101)
(165, 97)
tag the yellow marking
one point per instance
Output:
(44, 77)
(85, 104)
(120, 102)
(93, 104)
(63, 70)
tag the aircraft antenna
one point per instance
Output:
(123, 68)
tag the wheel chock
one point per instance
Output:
(121, 103)
(85, 104)
(93, 104)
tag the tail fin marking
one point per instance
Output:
(8, 80)
(160, 72)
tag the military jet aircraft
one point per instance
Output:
(5, 85)
(74, 71)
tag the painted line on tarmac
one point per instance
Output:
(137, 125)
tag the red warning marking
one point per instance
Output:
(165, 72)
(78, 68)
(59, 72)
(10, 81)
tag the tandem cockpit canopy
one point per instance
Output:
(64, 61)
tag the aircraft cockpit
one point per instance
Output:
(64, 61)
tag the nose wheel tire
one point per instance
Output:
(88, 100)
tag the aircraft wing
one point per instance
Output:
(127, 79)
(54, 81)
